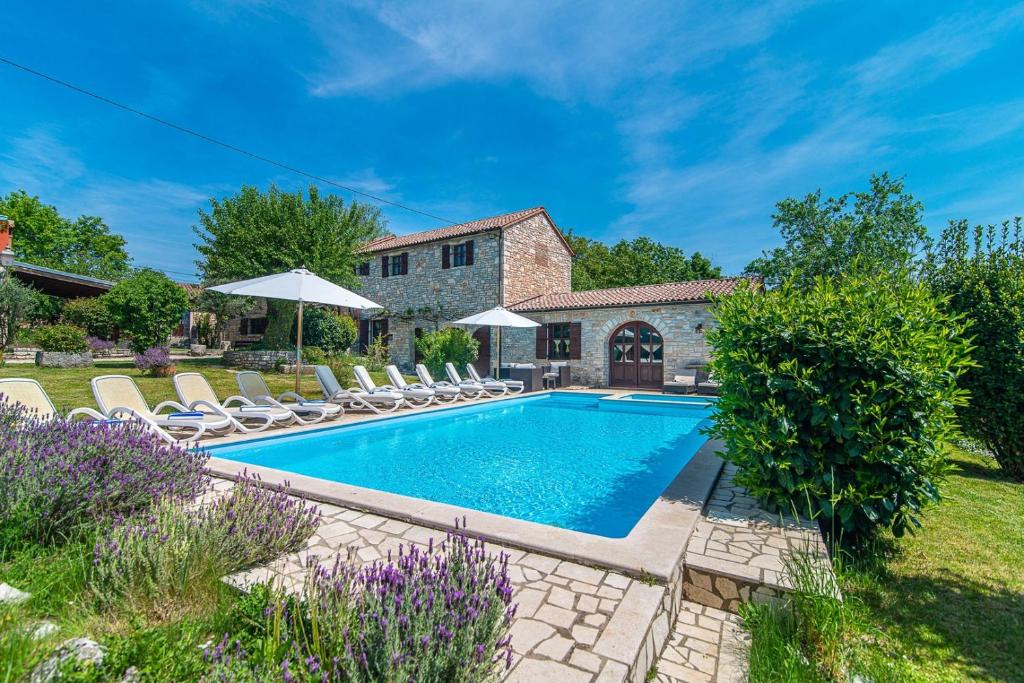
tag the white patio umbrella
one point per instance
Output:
(302, 286)
(499, 317)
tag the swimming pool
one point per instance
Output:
(573, 461)
(691, 400)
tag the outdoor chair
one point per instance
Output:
(31, 394)
(512, 386)
(441, 394)
(355, 399)
(415, 398)
(710, 385)
(304, 411)
(195, 391)
(685, 383)
(492, 390)
(468, 389)
(119, 397)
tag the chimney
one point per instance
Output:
(6, 233)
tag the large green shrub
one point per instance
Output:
(62, 338)
(327, 330)
(981, 272)
(448, 345)
(836, 398)
(91, 314)
(147, 307)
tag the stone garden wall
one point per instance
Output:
(264, 361)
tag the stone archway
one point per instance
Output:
(636, 356)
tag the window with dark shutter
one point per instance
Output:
(405, 263)
(558, 341)
(364, 335)
(384, 266)
(446, 256)
(542, 342)
(575, 341)
(469, 253)
(459, 255)
(364, 268)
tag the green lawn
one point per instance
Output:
(69, 387)
(950, 600)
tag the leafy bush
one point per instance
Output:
(448, 345)
(378, 354)
(62, 338)
(147, 307)
(158, 559)
(327, 330)
(313, 355)
(154, 360)
(17, 301)
(91, 314)
(981, 272)
(59, 475)
(425, 616)
(835, 400)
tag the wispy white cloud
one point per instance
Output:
(950, 43)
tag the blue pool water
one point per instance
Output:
(569, 460)
(679, 399)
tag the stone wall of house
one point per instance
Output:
(449, 293)
(677, 323)
(536, 261)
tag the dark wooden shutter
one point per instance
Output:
(575, 341)
(542, 341)
(384, 266)
(446, 256)
(469, 253)
(384, 330)
(405, 263)
(364, 335)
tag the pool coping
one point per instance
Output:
(653, 549)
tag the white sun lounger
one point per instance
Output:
(380, 402)
(468, 389)
(194, 391)
(413, 398)
(34, 398)
(513, 386)
(119, 397)
(305, 412)
(442, 394)
(456, 378)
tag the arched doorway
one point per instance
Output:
(636, 353)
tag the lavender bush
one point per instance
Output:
(59, 476)
(154, 359)
(161, 559)
(423, 616)
(96, 344)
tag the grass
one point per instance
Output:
(69, 387)
(944, 605)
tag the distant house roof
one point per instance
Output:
(501, 222)
(59, 283)
(193, 290)
(694, 291)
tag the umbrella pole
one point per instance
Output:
(497, 375)
(298, 354)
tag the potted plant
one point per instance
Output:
(156, 361)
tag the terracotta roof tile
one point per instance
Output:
(470, 228)
(670, 292)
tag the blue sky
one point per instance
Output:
(683, 121)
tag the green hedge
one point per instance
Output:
(448, 345)
(836, 399)
(61, 338)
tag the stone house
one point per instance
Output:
(623, 337)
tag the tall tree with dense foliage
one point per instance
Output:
(838, 396)
(147, 307)
(256, 233)
(17, 302)
(880, 230)
(84, 245)
(981, 273)
(641, 261)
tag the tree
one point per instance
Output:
(981, 273)
(91, 314)
(882, 232)
(147, 307)
(45, 238)
(223, 308)
(641, 261)
(837, 397)
(255, 233)
(447, 345)
(16, 304)
(327, 330)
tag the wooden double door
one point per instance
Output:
(636, 353)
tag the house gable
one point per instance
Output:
(536, 259)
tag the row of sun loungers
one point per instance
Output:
(199, 412)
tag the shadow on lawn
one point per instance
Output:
(986, 471)
(982, 626)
